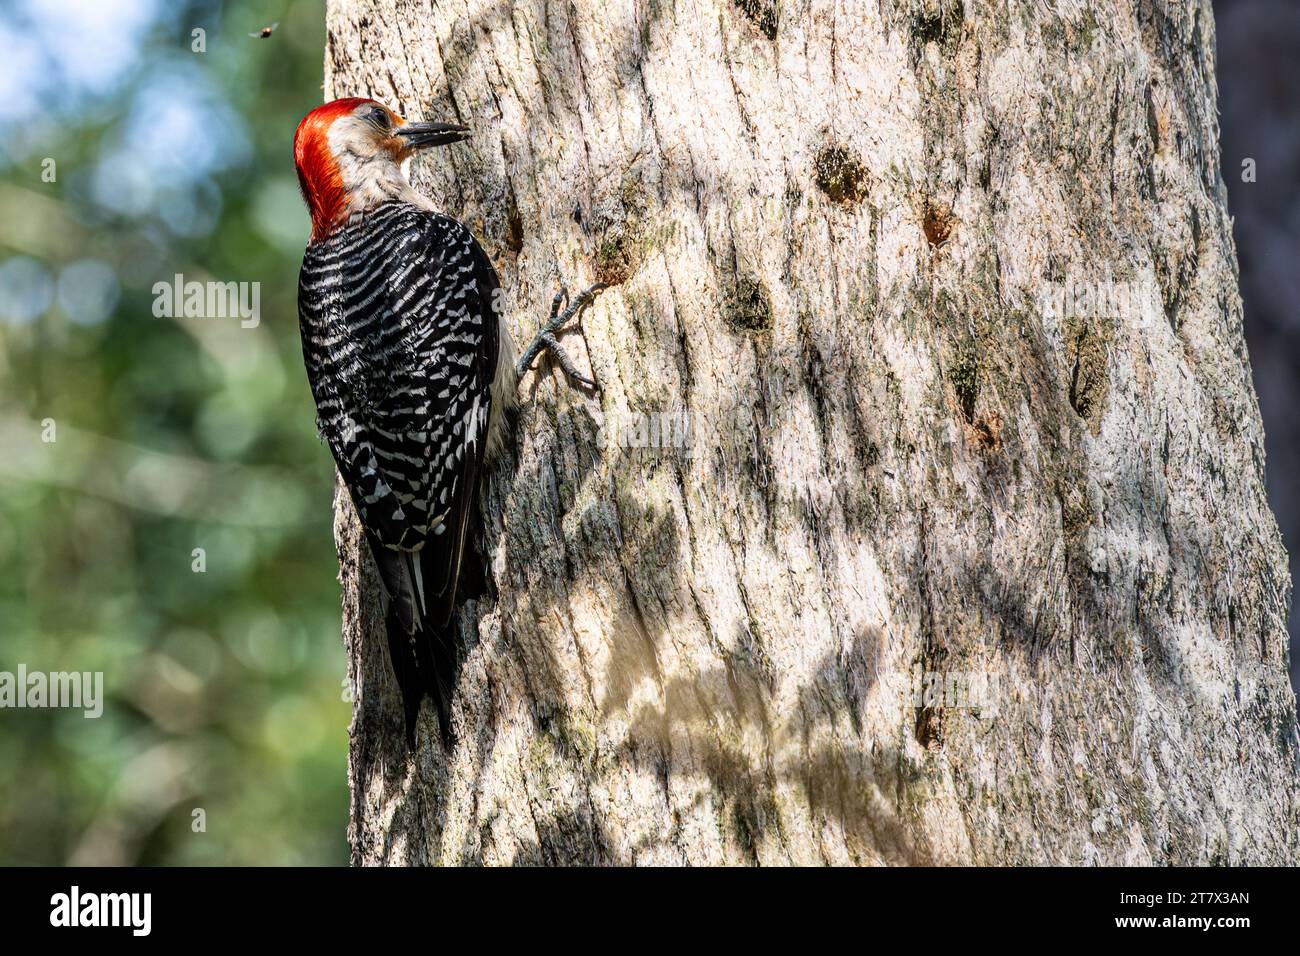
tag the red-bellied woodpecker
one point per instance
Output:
(411, 367)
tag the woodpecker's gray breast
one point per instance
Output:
(401, 348)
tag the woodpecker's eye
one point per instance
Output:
(379, 116)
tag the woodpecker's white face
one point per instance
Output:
(351, 155)
(369, 156)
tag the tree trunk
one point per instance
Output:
(965, 557)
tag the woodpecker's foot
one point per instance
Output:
(546, 340)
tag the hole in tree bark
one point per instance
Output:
(840, 175)
(937, 223)
(940, 23)
(1088, 357)
(615, 259)
(762, 13)
(745, 305)
(514, 227)
(929, 728)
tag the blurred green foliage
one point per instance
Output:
(223, 689)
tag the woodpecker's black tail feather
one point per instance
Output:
(423, 652)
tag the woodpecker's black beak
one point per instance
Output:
(420, 135)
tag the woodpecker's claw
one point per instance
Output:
(546, 337)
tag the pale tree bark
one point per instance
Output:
(838, 233)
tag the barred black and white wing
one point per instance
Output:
(400, 343)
